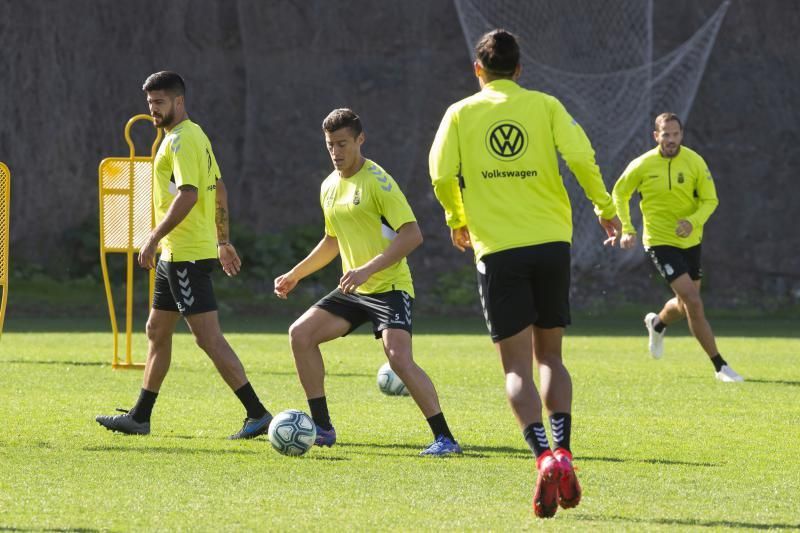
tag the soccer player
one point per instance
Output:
(677, 197)
(369, 223)
(191, 212)
(495, 171)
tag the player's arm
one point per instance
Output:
(621, 195)
(707, 203)
(228, 257)
(408, 238)
(444, 164)
(180, 207)
(574, 146)
(323, 253)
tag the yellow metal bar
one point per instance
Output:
(5, 232)
(130, 248)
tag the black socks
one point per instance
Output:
(718, 362)
(536, 438)
(248, 397)
(439, 426)
(144, 406)
(319, 412)
(561, 425)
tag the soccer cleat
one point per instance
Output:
(728, 375)
(569, 490)
(123, 423)
(656, 343)
(325, 437)
(545, 495)
(442, 447)
(253, 427)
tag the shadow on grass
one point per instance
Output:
(65, 363)
(167, 451)
(68, 528)
(473, 452)
(688, 522)
(644, 461)
(428, 324)
(774, 382)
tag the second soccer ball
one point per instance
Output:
(390, 383)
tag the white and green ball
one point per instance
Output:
(390, 383)
(292, 432)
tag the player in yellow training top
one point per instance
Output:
(191, 213)
(677, 197)
(494, 168)
(369, 224)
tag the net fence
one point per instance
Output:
(597, 58)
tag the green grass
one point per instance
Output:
(660, 445)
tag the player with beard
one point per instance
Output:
(191, 213)
(677, 198)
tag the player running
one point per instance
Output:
(191, 213)
(495, 171)
(369, 223)
(677, 198)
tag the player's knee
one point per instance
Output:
(400, 360)
(155, 332)
(300, 337)
(208, 342)
(549, 358)
(692, 303)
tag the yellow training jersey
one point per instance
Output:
(363, 212)
(185, 158)
(671, 189)
(501, 142)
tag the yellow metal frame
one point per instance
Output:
(5, 216)
(129, 248)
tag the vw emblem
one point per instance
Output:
(507, 140)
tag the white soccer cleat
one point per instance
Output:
(656, 343)
(728, 375)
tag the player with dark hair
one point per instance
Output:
(369, 223)
(677, 198)
(191, 213)
(494, 168)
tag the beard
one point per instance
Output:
(166, 120)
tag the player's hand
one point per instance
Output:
(684, 228)
(613, 229)
(627, 241)
(147, 253)
(284, 285)
(460, 238)
(229, 259)
(353, 279)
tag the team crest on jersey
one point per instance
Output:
(357, 197)
(680, 177)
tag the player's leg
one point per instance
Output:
(160, 328)
(516, 356)
(688, 290)
(550, 283)
(321, 323)
(208, 335)
(397, 346)
(505, 285)
(670, 262)
(556, 392)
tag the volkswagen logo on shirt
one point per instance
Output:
(506, 140)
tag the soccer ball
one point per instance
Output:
(390, 383)
(292, 432)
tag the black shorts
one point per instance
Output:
(524, 286)
(184, 287)
(386, 310)
(673, 262)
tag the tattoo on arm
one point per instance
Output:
(222, 223)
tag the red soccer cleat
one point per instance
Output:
(545, 496)
(569, 490)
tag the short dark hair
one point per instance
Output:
(166, 80)
(666, 117)
(342, 118)
(498, 52)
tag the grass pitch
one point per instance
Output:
(660, 445)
